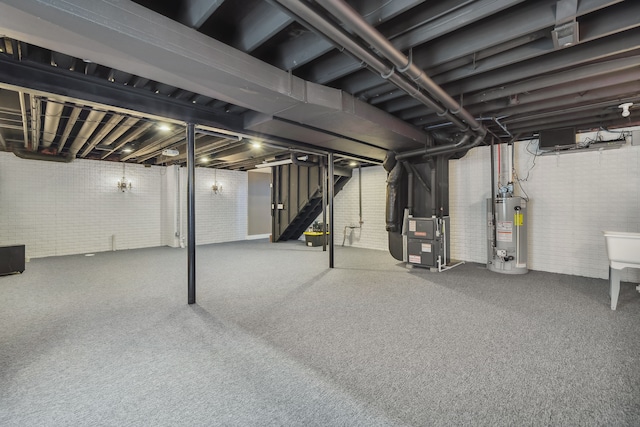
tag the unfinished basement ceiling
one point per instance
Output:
(95, 80)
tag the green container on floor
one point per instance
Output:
(314, 238)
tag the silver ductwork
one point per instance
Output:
(52, 114)
(90, 124)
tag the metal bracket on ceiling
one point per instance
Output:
(389, 74)
(409, 62)
(565, 33)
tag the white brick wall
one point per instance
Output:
(469, 187)
(170, 215)
(574, 197)
(220, 217)
(61, 209)
(346, 210)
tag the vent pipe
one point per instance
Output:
(342, 39)
(355, 22)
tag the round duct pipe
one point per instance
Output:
(34, 155)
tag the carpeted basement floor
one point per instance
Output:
(278, 339)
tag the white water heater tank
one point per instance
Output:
(507, 235)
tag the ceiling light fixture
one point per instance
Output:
(164, 127)
(276, 163)
(256, 144)
(625, 108)
(170, 152)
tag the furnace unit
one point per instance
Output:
(428, 242)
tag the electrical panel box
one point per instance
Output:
(428, 241)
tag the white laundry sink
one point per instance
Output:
(623, 250)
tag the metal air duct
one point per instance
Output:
(52, 113)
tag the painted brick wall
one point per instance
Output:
(372, 235)
(220, 217)
(170, 214)
(574, 197)
(61, 209)
(469, 187)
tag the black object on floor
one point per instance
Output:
(11, 259)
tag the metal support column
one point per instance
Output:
(323, 177)
(331, 194)
(191, 213)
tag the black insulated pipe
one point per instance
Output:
(434, 190)
(331, 181)
(394, 178)
(324, 206)
(409, 169)
(191, 213)
(442, 149)
(421, 180)
(34, 155)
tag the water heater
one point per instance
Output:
(507, 235)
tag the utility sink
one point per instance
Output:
(623, 250)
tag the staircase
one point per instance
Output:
(310, 211)
(297, 199)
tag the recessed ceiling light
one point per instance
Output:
(204, 159)
(127, 150)
(164, 127)
(256, 144)
(353, 163)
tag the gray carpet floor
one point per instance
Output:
(278, 339)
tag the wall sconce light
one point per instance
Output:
(216, 187)
(625, 108)
(124, 184)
